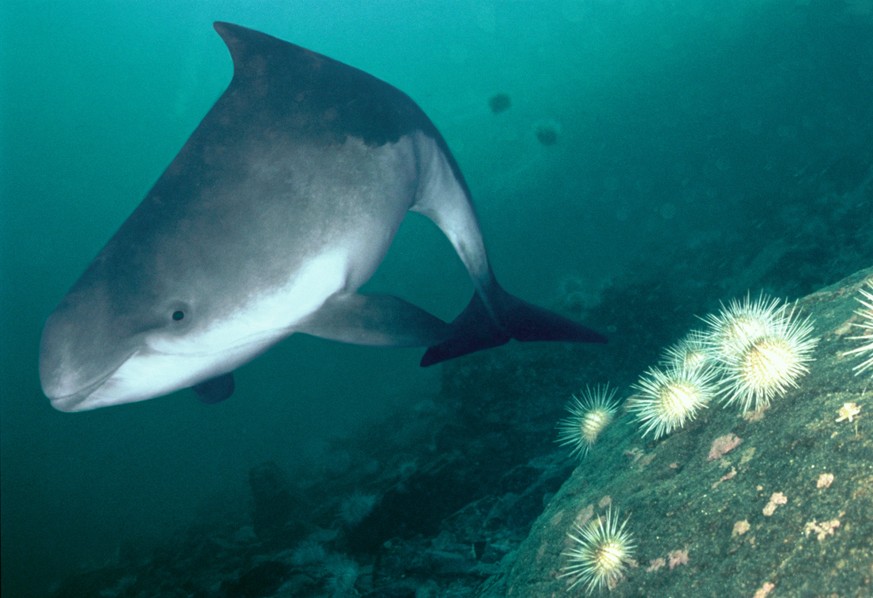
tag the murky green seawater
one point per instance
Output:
(674, 123)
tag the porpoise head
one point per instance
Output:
(128, 333)
(95, 351)
(152, 314)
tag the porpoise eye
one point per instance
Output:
(178, 315)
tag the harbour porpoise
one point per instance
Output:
(279, 206)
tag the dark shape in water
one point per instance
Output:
(500, 102)
(547, 134)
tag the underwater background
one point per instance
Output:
(632, 164)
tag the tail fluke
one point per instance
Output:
(476, 329)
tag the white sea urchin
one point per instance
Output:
(690, 352)
(866, 326)
(589, 415)
(601, 552)
(739, 322)
(766, 366)
(667, 398)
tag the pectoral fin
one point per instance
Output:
(375, 320)
(215, 390)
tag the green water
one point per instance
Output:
(675, 122)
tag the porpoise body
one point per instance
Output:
(280, 205)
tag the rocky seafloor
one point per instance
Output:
(788, 510)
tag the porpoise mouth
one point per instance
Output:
(72, 401)
(68, 403)
(103, 390)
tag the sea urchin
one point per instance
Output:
(600, 554)
(739, 322)
(866, 326)
(766, 366)
(589, 415)
(667, 398)
(690, 352)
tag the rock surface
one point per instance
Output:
(703, 526)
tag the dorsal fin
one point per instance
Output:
(254, 52)
(316, 96)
